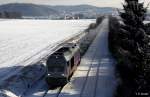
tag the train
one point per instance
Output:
(62, 64)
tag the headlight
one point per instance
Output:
(63, 74)
(49, 74)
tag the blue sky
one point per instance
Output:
(100, 3)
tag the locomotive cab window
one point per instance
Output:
(56, 63)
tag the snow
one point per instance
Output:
(9, 94)
(145, 22)
(20, 39)
(22, 81)
(24, 41)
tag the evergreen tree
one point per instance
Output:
(137, 44)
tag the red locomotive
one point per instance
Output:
(62, 64)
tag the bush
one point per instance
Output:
(99, 20)
(95, 25)
(90, 36)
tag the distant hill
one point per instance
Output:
(46, 10)
(28, 9)
(83, 8)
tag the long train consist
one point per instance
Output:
(62, 64)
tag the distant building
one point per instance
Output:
(71, 17)
(79, 16)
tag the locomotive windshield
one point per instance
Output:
(56, 63)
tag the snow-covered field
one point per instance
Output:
(22, 39)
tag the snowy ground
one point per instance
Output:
(22, 40)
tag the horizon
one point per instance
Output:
(100, 3)
(58, 5)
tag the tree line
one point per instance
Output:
(10, 15)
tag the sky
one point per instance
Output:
(99, 3)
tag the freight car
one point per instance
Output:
(62, 64)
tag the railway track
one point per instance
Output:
(96, 81)
(52, 93)
(46, 92)
(88, 73)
